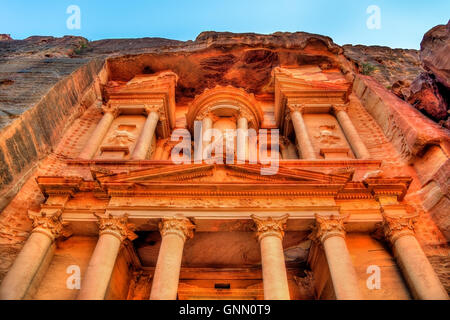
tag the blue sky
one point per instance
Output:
(403, 23)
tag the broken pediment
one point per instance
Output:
(312, 89)
(144, 91)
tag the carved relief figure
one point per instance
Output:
(328, 135)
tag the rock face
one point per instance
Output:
(435, 53)
(5, 37)
(429, 92)
(386, 65)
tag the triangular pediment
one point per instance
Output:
(223, 174)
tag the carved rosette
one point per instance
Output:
(116, 226)
(395, 227)
(270, 226)
(114, 110)
(327, 227)
(179, 226)
(51, 225)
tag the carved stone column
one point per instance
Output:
(174, 232)
(112, 231)
(91, 147)
(242, 137)
(206, 134)
(169, 145)
(270, 233)
(34, 258)
(157, 155)
(306, 150)
(350, 132)
(146, 136)
(207, 124)
(330, 233)
(417, 270)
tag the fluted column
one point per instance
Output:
(112, 231)
(270, 233)
(358, 146)
(148, 131)
(174, 232)
(242, 138)
(417, 270)
(34, 257)
(306, 150)
(330, 233)
(91, 147)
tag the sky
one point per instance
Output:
(397, 24)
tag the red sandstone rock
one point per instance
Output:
(435, 55)
(425, 96)
(4, 37)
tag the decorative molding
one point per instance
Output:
(328, 226)
(397, 226)
(116, 226)
(179, 226)
(270, 226)
(50, 224)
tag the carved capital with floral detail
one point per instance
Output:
(51, 225)
(271, 226)
(328, 226)
(114, 110)
(296, 107)
(337, 108)
(398, 226)
(243, 113)
(148, 109)
(179, 226)
(116, 226)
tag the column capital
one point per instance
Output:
(114, 110)
(328, 226)
(116, 226)
(397, 226)
(243, 113)
(179, 226)
(296, 107)
(158, 108)
(336, 108)
(270, 226)
(207, 113)
(50, 224)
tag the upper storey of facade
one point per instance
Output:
(306, 113)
